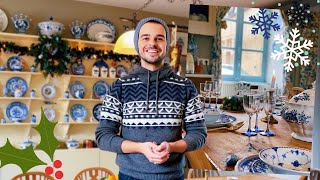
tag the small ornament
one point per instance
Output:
(5, 92)
(77, 29)
(33, 93)
(3, 120)
(91, 119)
(21, 22)
(113, 72)
(33, 118)
(33, 68)
(3, 68)
(66, 118)
(18, 92)
(66, 94)
(104, 72)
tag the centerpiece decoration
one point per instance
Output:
(52, 54)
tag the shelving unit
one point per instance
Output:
(18, 132)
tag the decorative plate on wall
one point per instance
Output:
(100, 89)
(96, 111)
(78, 112)
(15, 83)
(48, 91)
(76, 86)
(17, 111)
(3, 21)
(100, 25)
(14, 63)
(50, 113)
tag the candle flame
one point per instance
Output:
(273, 72)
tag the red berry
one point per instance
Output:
(59, 174)
(57, 164)
(49, 170)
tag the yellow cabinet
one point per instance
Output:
(18, 132)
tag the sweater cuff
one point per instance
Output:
(117, 144)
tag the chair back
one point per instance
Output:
(33, 176)
(94, 173)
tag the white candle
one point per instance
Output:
(315, 162)
(273, 80)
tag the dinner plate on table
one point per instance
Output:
(259, 166)
(245, 164)
(15, 83)
(223, 120)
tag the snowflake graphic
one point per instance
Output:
(264, 23)
(299, 15)
(292, 50)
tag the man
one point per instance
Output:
(151, 106)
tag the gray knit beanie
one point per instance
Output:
(145, 20)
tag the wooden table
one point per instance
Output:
(221, 143)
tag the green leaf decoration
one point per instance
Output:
(48, 142)
(24, 158)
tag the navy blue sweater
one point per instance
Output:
(151, 106)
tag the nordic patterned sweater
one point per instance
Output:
(151, 106)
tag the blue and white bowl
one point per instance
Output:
(21, 22)
(287, 160)
(51, 27)
(77, 29)
(72, 144)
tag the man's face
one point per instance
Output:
(152, 43)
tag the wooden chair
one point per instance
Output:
(33, 176)
(94, 173)
(293, 90)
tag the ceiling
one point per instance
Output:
(180, 8)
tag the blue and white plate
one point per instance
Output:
(78, 69)
(78, 113)
(121, 70)
(76, 86)
(100, 89)
(96, 111)
(17, 111)
(48, 91)
(16, 82)
(223, 120)
(260, 167)
(100, 25)
(245, 164)
(14, 63)
(100, 63)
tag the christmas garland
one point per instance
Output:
(54, 55)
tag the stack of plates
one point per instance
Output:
(252, 164)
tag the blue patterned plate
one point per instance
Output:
(16, 82)
(100, 89)
(50, 113)
(223, 120)
(76, 86)
(17, 111)
(96, 111)
(100, 25)
(15, 63)
(48, 91)
(260, 167)
(245, 164)
(78, 112)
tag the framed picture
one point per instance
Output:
(183, 38)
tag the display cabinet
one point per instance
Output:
(18, 132)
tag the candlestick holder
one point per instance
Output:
(272, 119)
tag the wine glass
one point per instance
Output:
(216, 91)
(250, 106)
(209, 88)
(203, 93)
(260, 103)
(269, 103)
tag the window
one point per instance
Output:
(244, 55)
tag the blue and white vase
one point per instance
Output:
(66, 94)
(33, 93)
(33, 118)
(21, 22)
(66, 118)
(3, 120)
(5, 92)
(3, 68)
(77, 29)
(33, 68)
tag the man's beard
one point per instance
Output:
(157, 62)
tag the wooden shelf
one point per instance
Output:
(78, 123)
(89, 77)
(20, 73)
(74, 99)
(21, 98)
(18, 124)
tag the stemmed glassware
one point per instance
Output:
(216, 91)
(260, 103)
(269, 103)
(250, 106)
(209, 87)
(205, 91)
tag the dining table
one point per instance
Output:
(222, 142)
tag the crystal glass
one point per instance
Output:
(250, 106)
(269, 104)
(216, 91)
(205, 90)
(259, 103)
(209, 87)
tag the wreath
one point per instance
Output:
(52, 54)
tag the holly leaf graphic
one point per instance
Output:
(48, 142)
(24, 158)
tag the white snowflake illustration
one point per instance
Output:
(292, 50)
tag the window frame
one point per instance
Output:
(238, 52)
